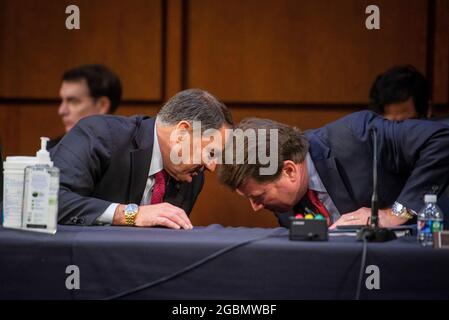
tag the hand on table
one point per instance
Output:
(361, 217)
(162, 214)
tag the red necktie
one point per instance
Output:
(159, 187)
(319, 206)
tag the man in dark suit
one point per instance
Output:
(120, 171)
(328, 170)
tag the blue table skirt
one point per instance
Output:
(113, 260)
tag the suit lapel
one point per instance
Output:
(333, 182)
(141, 159)
(140, 166)
(327, 168)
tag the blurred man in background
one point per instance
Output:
(87, 90)
(401, 93)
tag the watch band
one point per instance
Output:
(401, 211)
(131, 211)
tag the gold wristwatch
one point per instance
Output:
(401, 211)
(131, 211)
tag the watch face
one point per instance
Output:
(131, 208)
(398, 209)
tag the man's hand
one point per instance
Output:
(163, 214)
(361, 217)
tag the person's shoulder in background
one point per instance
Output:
(443, 120)
(53, 142)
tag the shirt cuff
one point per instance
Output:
(107, 216)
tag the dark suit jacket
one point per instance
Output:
(106, 159)
(413, 160)
(53, 142)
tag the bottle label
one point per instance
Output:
(40, 200)
(437, 226)
(12, 205)
(429, 226)
(425, 226)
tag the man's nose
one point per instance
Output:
(62, 110)
(256, 206)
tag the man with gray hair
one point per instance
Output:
(120, 170)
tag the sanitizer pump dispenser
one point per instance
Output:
(40, 197)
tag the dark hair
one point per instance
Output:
(195, 105)
(397, 85)
(292, 145)
(101, 81)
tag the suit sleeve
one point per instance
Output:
(416, 149)
(82, 155)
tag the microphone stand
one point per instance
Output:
(372, 232)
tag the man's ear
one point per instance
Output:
(103, 105)
(290, 169)
(182, 129)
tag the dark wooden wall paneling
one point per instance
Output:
(299, 51)
(441, 53)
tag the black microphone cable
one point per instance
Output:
(191, 267)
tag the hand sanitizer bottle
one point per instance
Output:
(40, 197)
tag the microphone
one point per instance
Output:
(372, 232)
(374, 221)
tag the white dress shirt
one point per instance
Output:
(317, 185)
(156, 165)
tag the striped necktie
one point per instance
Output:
(312, 195)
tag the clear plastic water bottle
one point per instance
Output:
(430, 220)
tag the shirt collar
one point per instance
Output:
(315, 182)
(156, 158)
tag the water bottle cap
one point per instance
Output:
(430, 198)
